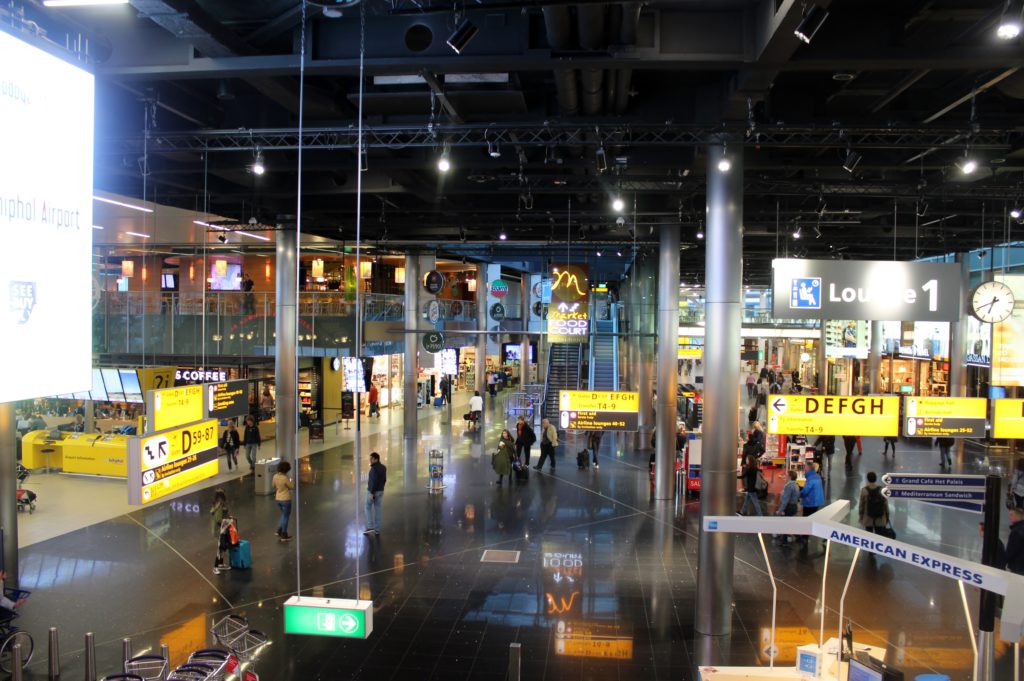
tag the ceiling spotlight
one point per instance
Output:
(599, 254)
(967, 165)
(493, 149)
(503, 236)
(258, 168)
(796, 233)
(813, 18)
(463, 35)
(852, 159)
(618, 204)
(443, 164)
(221, 238)
(1010, 23)
(724, 166)
(1015, 213)
(618, 253)
(700, 233)
(602, 160)
(922, 209)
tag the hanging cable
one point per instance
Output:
(894, 229)
(206, 216)
(298, 260)
(357, 456)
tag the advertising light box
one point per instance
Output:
(46, 106)
(833, 415)
(1008, 419)
(944, 416)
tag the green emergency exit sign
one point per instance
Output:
(338, 617)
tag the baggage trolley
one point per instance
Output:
(147, 667)
(193, 672)
(229, 629)
(216, 658)
(249, 645)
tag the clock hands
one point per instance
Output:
(995, 299)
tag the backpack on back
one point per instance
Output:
(875, 503)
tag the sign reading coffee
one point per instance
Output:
(865, 289)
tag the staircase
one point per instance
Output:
(604, 357)
(563, 374)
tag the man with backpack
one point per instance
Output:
(874, 507)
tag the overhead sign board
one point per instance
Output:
(872, 289)
(958, 417)
(227, 400)
(963, 492)
(164, 462)
(1008, 419)
(596, 410)
(569, 309)
(334, 617)
(156, 378)
(833, 415)
(173, 407)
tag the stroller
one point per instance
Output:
(26, 499)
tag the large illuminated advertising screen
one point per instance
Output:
(46, 157)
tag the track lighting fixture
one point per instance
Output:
(724, 165)
(1015, 213)
(258, 167)
(814, 16)
(852, 159)
(493, 149)
(796, 233)
(700, 232)
(822, 207)
(618, 253)
(443, 163)
(221, 238)
(462, 36)
(967, 165)
(601, 159)
(503, 236)
(618, 204)
(599, 254)
(1011, 21)
(922, 209)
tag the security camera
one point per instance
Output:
(221, 238)
(620, 221)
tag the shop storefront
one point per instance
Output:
(915, 358)
(847, 344)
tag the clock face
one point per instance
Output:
(992, 302)
(336, 363)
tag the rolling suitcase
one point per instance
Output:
(582, 459)
(437, 401)
(522, 472)
(240, 556)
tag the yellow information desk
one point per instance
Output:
(84, 453)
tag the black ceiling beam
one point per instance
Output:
(543, 135)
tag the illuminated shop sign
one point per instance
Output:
(569, 309)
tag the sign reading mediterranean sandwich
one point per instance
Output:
(833, 415)
(865, 289)
(597, 410)
(944, 416)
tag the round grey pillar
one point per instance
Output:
(644, 306)
(668, 334)
(524, 350)
(286, 373)
(481, 325)
(958, 335)
(822, 361)
(412, 340)
(723, 319)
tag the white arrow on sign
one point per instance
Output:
(779, 405)
(347, 623)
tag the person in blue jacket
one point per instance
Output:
(812, 496)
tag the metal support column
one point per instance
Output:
(286, 374)
(643, 368)
(822, 361)
(9, 493)
(524, 351)
(723, 319)
(668, 332)
(958, 335)
(481, 325)
(412, 341)
(875, 357)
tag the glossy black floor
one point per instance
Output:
(442, 614)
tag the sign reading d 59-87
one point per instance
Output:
(833, 415)
(165, 462)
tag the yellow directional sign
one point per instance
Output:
(1008, 419)
(173, 407)
(833, 415)
(156, 378)
(168, 461)
(944, 416)
(598, 410)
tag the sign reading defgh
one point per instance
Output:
(833, 415)
(872, 289)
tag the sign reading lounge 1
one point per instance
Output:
(874, 289)
(335, 617)
(833, 415)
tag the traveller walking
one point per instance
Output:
(442, 387)
(501, 460)
(751, 381)
(1016, 489)
(229, 442)
(525, 437)
(375, 494)
(788, 504)
(476, 409)
(548, 442)
(227, 537)
(283, 487)
(754, 446)
(873, 506)
(889, 442)
(849, 442)
(1015, 542)
(374, 400)
(812, 496)
(266, 403)
(219, 510)
(826, 447)
(251, 441)
(945, 444)
(594, 443)
(749, 477)
(492, 383)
